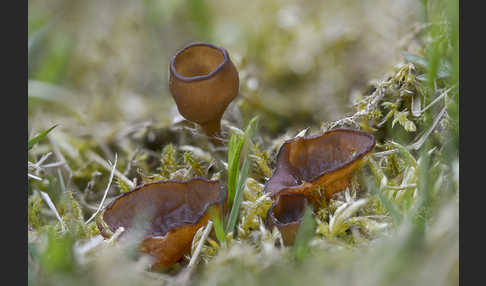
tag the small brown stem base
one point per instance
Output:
(213, 130)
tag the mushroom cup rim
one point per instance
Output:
(331, 170)
(106, 233)
(273, 220)
(198, 77)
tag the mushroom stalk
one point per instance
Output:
(211, 128)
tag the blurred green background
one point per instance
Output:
(298, 61)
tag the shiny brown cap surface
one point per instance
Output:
(171, 212)
(203, 81)
(324, 161)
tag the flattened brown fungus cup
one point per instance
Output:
(319, 166)
(310, 170)
(286, 214)
(203, 82)
(169, 213)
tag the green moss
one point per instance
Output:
(168, 161)
(196, 168)
(387, 226)
(35, 204)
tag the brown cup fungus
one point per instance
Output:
(203, 82)
(286, 214)
(318, 167)
(167, 212)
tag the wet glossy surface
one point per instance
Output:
(203, 81)
(167, 212)
(325, 161)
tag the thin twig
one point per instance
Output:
(34, 177)
(422, 139)
(436, 99)
(83, 202)
(44, 157)
(51, 205)
(96, 158)
(184, 276)
(115, 235)
(401, 187)
(106, 191)
(37, 166)
(384, 153)
(373, 98)
(200, 244)
(52, 165)
(60, 157)
(302, 132)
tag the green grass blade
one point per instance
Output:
(218, 226)
(234, 152)
(238, 196)
(39, 137)
(237, 150)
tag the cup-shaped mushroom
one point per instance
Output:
(286, 214)
(166, 214)
(319, 165)
(203, 82)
